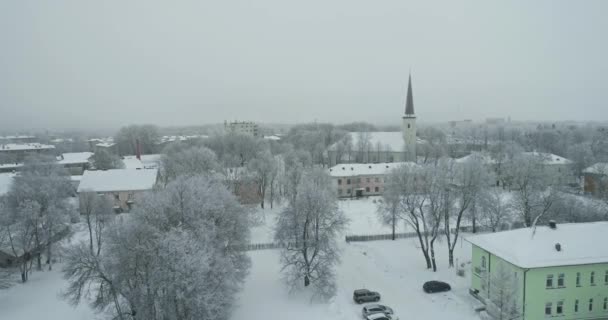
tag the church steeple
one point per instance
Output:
(409, 102)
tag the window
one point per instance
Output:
(409, 125)
(578, 279)
(340, 191)
(366, 189)
(358, 180)
(592, 278)
(606, 278)
(560, 280)
(117, 197)
(591, 304)
(550, 281)
(483, 262)
(367, 180)
(339, 181)
(606, 303)
(376, 189)
(348, 191)
(378, 180)
(576, 305)
(560, 307)
(347, 181)
(548, 307)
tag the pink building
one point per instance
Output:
(361, 179)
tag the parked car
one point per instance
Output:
(381, 316)
(436, 286)
(376, 308)
(364, 295)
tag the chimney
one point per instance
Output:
(558, 247)
(552, 224)
(137, 149)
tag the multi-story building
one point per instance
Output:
(13, 152)
(553, 271)
(596, 179)
(362, 179)
(243, 127)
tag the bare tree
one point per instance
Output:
(97, 211)
(308, 227)
(263, 168)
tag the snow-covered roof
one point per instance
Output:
(148, 161)
(165, 139)
(118, 180)
(362, 169)
(273, 137)
(16, 137)
(549, 158)
(25, 146)
(483, 157)
(598, 168)
(11, 166)
(74, 157)
(6, 179)
(578, 241)
(105, 144)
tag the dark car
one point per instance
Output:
(436, 286)
(364, 295)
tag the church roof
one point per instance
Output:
(409, 102)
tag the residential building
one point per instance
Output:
(13, 152)
(144, 161)
(124, 187)
(243, 127)
(553, 271)
(75, 162)
(377, 147)
(362, 179)
(596, 179)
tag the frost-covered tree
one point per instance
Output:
(494, 208)
(295, 164)
(263, 168)
(104, 160)
(97, 211)
(503, 302)
(534, 193)
(465, 181)
(127, 137)
(309, 227)
(388, 209)
(177, 256)
(44, 185)
(19, 226)
(191, 161)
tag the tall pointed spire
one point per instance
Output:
(409, 102)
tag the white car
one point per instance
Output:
(381, 316)
(375, 308)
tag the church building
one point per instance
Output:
(378, 147)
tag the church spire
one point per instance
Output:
(409, 103)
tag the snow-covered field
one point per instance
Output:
(394, 268)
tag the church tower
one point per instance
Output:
(409, 125)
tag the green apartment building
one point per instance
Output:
(550, 272)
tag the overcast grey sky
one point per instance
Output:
(101, 64)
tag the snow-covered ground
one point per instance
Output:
(396, 269)
(361, 213)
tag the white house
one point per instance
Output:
(362, 179)
(124, 187)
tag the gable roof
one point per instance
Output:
(360, 169)
(598, 168)
(74, 157)
(118, 180)
(578, 241)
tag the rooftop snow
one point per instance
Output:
(520, 247)
(273, 137)
(118, 180)
(74, 157)
(16, 137)
(549, 158)
(598, 168)
(5, 182)
(483, 157)
(148, 161)
(361, 169)
(25, 146)
(105, 144)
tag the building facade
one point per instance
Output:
(551, 272)
(356, 180)
(243, 127)
(595, 179)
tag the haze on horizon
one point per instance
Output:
(75, 64)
